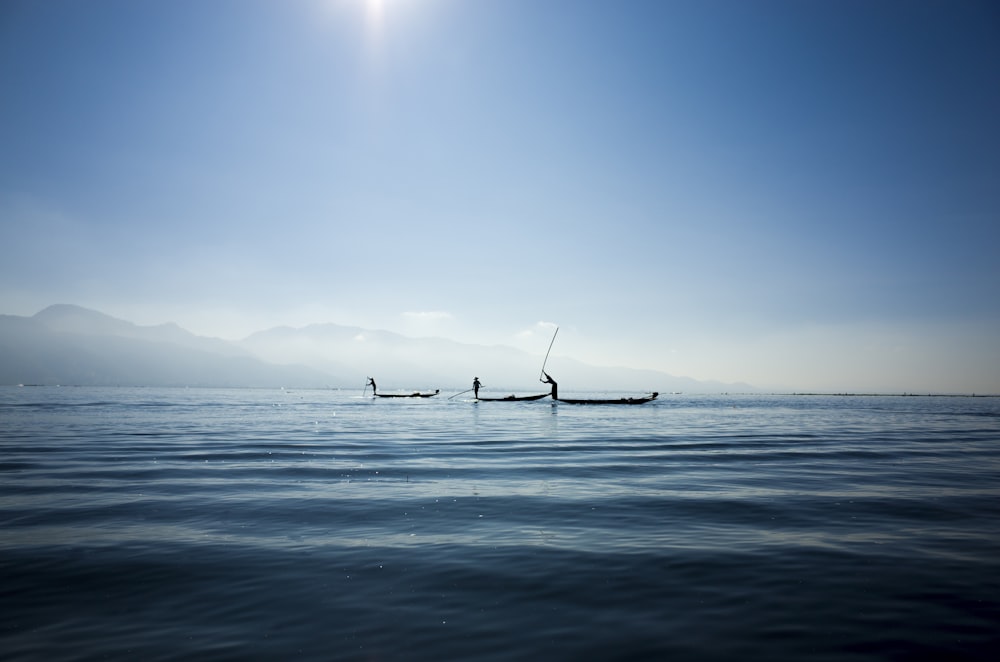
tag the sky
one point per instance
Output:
(799, 195)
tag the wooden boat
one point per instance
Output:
(408, 395)
(515, 398)
(415, 394)
(595, 401)
(609, 401)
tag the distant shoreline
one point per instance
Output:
(351, 388)
(899, 395)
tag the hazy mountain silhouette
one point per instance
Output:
(66, 344)
(399, 362)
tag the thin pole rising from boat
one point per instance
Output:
(547, 353)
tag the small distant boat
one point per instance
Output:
(609, 401)
(416, 394)
(514, 398)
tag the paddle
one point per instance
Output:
(458, 394)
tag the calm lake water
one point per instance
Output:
(269, 524)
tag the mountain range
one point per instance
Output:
(69, 345)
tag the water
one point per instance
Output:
(258, 524)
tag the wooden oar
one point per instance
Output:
(458, 394)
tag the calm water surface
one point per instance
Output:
(259, 524)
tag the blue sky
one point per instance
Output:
(799, 195)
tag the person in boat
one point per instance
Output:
(555, 387)
(475, 385)
(371, 382)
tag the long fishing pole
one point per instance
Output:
(547, 354)
(458, 394)
(364, 390)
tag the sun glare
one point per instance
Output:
(374, 11)
(374, 22)
(373, 15)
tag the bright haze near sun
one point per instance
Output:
(796, 195)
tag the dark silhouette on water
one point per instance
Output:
(515, 398)
(595, 401)
(611, 401)
(415, 394)
(548, 380)
(507, 398)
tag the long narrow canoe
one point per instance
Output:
(408, 395)
(615, 401)
(515, 398)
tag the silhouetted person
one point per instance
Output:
(555, 387)
(371, 382)
(476, 385)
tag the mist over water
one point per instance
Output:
(214, 523)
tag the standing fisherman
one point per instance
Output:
(555, 387)
(371, 381)
(476, 385)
